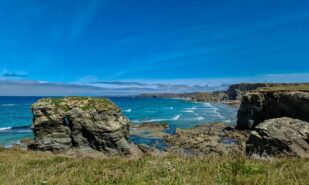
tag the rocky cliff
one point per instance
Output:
(60, 124)
(261, 105)
(236, 91)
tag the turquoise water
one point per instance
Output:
(16, 116)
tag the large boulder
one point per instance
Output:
(60, 124)
(215, 139)
(281, 136)
(258, 106)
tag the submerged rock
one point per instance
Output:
(214, 139)
(60, 124)
(149, 130)
(151, 126)
(258, 106)
(281, 136)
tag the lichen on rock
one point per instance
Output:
(60, 124)
(280, 136)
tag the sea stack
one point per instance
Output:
(83, 123)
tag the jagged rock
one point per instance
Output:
(281, 136)
(215, 139)
(60, 124)
(258, 106)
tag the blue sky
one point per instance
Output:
(162, 41)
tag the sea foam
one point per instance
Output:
(5, 128)
(128, 110)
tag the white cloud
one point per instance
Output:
(133, 87)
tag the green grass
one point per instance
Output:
(287, 87)
(100, 104)
(24, 167)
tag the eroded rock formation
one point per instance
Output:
(214, 139)
(60, 124)
(258, 106)
(281, 136)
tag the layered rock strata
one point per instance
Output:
(60, 124)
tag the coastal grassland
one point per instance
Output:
(25, 167)
(286, 87)
(86, 103)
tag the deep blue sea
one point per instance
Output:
(16, 116)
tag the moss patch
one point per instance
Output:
(85, 103)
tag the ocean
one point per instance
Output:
(16, 116)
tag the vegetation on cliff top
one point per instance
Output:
(287, 87)
(85, 102)
(24, 167)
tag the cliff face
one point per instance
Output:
(60, 124)
(236, 91)
(258, 106)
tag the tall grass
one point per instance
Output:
(33, 168)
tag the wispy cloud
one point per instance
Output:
(15, 87)
(202, 41)
(14, 75)
(121, 83)
(83, 14)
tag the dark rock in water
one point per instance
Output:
(281, 136)
(212, 139)
(258, 106)
(150, 126)
(60, 124)
(151, 133)
(149, 129)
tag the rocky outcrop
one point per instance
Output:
(150, 126)
(60, 124)
(236, 91)
(215, 139)
(149, 129)
(281, 136)
(258, 106)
